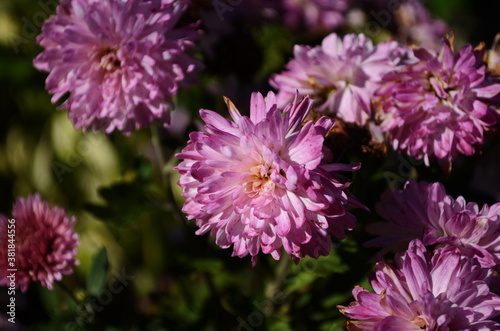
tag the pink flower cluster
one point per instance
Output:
(120, 61)
(442, 290)
(341, 75)
(446, 289)
(431, 105)
(45, 243)
(266, 182)
(260, 183)
(424, 211)
(440, 105)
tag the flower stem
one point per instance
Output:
(165, 175)
(159, 160)
(281, 275)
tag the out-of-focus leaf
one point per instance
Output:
(309, 269)
(445, 8)
(96, 278)
(277, 45)
(51, 301)
(125, 202)
(209, 265)
(301, 281)
(279, 323)
(185, 301)
(303, 300)
(333, 326)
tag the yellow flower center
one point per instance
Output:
(261, 182)
(109, 60)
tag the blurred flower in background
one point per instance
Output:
(120, 61)
(417, 26)
(261, 182)
(44, 240)
(324, 15)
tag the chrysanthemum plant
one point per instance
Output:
(291, 175)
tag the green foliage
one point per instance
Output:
(276, 42)
(129, 195)
(304, 274)
(96, 279)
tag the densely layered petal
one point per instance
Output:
(117, 63)
(442, 290)
(439, 106)
(341, 74)
(44, 243)
(424, 211)
(260, 183)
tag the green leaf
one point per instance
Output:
(277, 45)
(96, 278)
(301, 281)
(334, 326)
(304, 274)
(125, 202)
(279, 323)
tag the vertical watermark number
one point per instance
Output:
(11, 271)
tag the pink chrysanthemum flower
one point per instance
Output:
(416, 25)
(426, 212)
(315, 14)
(45, 243)
(341, 75)
(438, 106)
(445, 291)
(260, 182)
(120, 61)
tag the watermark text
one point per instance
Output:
(11, 271)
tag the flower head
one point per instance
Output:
(260, 182)
(439, 106)
(442, 291)
(43, 240)
(426, 212)
(120, 61)
(341, 75)
(415, 25)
